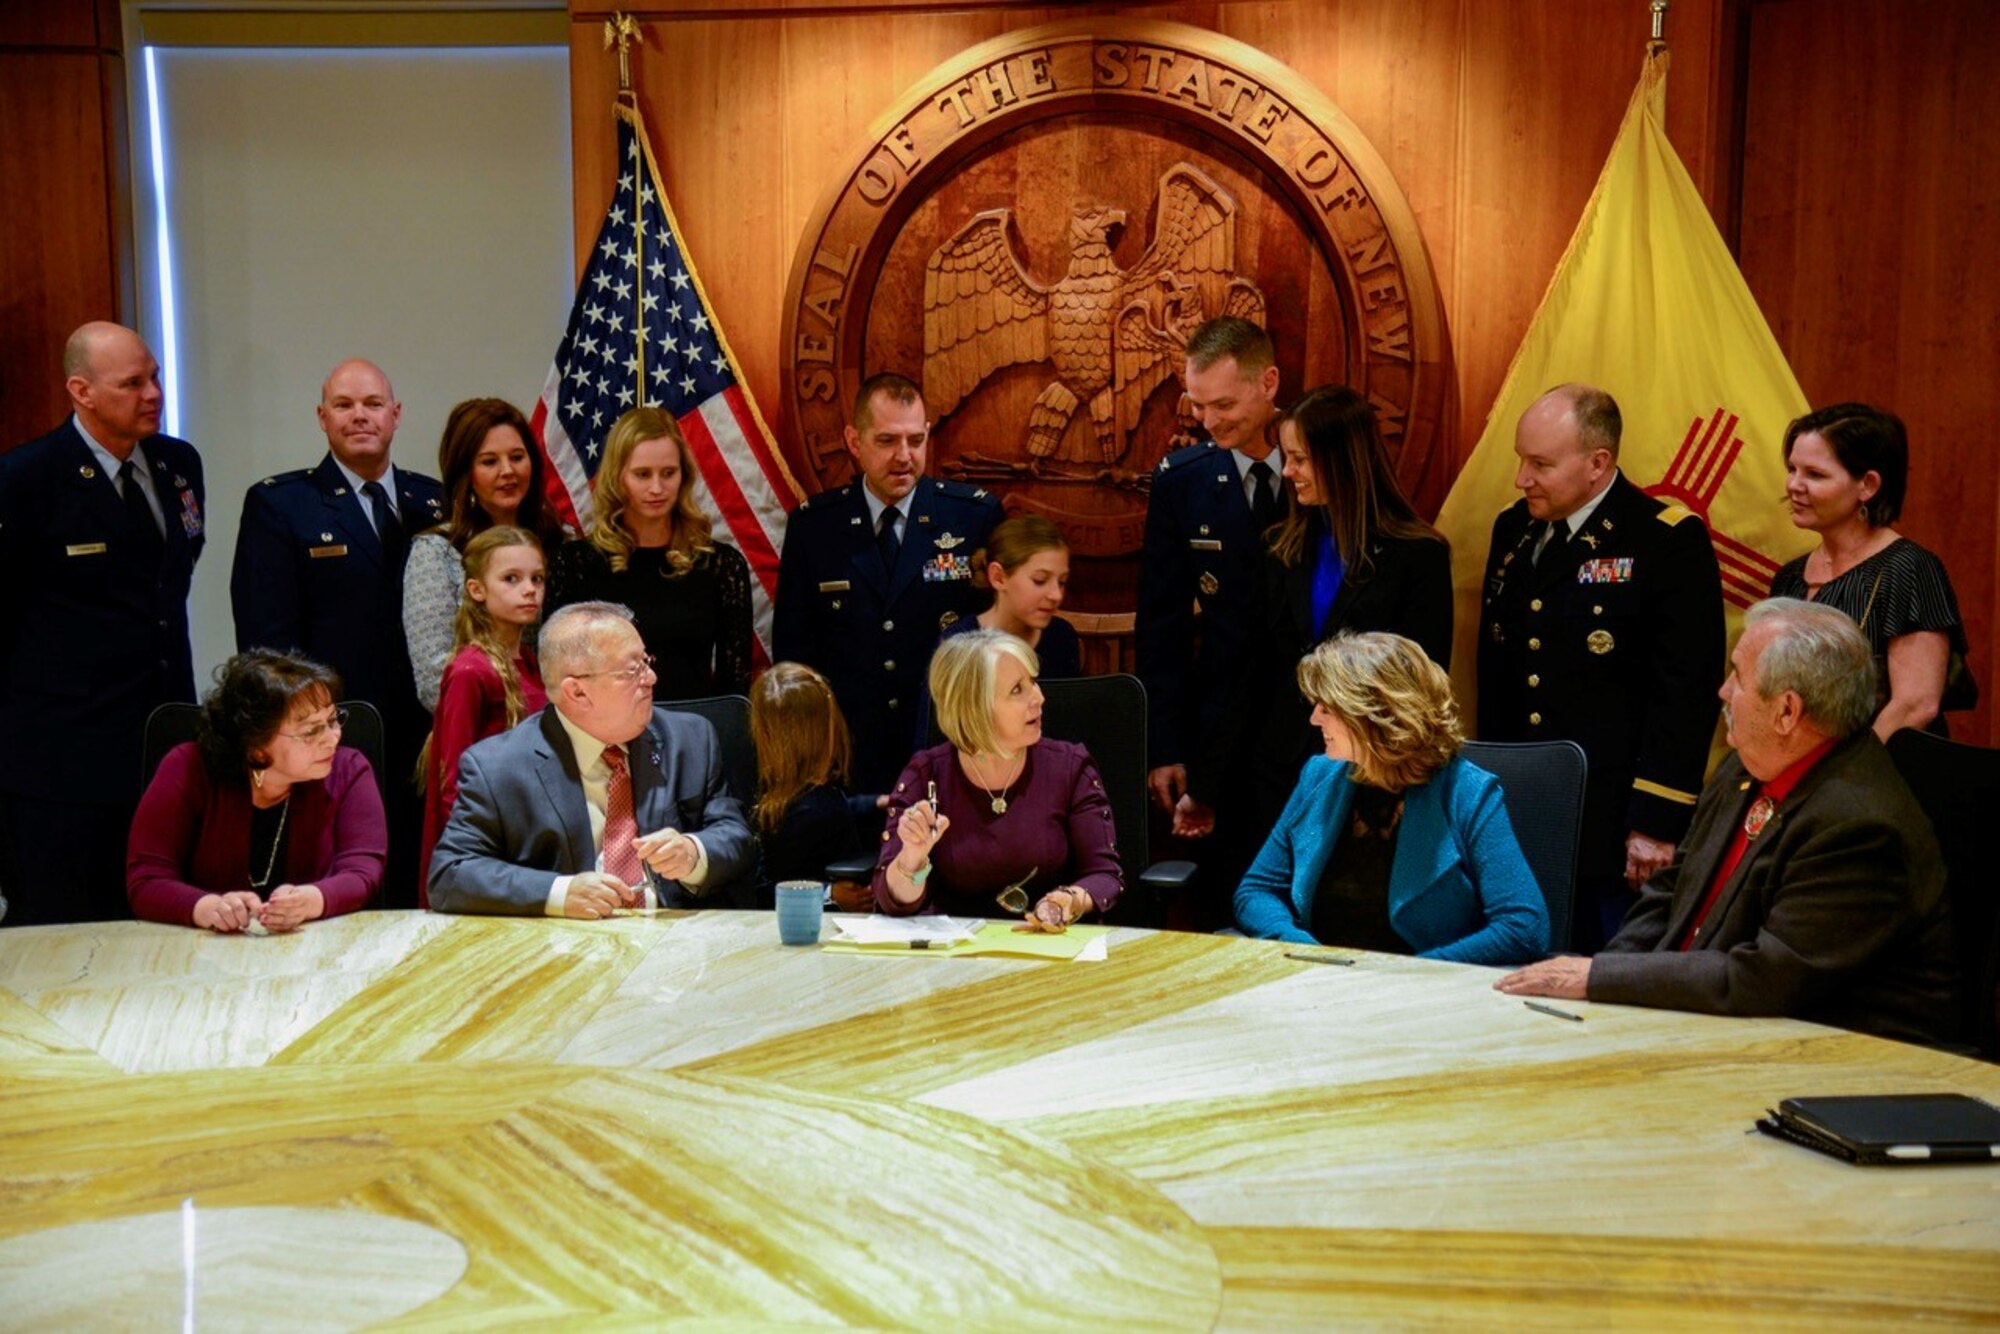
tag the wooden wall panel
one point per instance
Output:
(66, 253)
(56, 268)
(1494, 118)
(1870, 208)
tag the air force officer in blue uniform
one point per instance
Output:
(100, 525)
(1205, 521)
(873, 570)
(319, 569)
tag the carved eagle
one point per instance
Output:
(1112, 335)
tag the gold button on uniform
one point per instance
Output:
(1535, 718)
(1536, 605)
(1534, 680)
(1534, 643)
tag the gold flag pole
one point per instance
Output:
(1656, 47)
(622, 30)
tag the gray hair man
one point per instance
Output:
(599, 802)
(1810, 884)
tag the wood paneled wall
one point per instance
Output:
(67, 252)
(1870, 211)
(1494, 118)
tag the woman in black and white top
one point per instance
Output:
(1846, 470)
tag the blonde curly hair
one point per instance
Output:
(1396, 703)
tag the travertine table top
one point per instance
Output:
(421, 1120)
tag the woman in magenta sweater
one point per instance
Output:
(262, 818)
(1005, 818)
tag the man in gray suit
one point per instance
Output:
(1809, 884)
(598, 802)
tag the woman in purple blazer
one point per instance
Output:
(262, 823)
(997, 818)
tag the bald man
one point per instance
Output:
(100, 525)
(319, 569)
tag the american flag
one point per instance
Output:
(642, 332)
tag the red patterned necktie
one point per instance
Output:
(621, 825)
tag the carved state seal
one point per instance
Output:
(1032, 230)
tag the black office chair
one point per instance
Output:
(1958, 785)
(730, 716)
(1542, 782)
(171, 724)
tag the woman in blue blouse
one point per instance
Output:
(1392, 841)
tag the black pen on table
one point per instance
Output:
(1321, 958)
(1540, 1008)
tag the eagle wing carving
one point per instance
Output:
(1193, 256)
(1194, 230)
(981, 311)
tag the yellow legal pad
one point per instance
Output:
(994, 938)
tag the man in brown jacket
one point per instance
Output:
(1809, 884)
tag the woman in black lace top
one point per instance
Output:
(1846, 470)
(651, 548)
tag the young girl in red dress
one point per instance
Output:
(492, 681)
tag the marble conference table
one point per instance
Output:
(660, 1122)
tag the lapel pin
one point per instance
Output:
(326, 537)
(87, 471)
(180, 481)
(340, 490)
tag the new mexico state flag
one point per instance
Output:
(1647, 304)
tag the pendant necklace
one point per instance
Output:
(999, 798)
(277, 841)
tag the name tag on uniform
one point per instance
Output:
(318, 553)
(835, 586)
(86, 548)
(1203, 544)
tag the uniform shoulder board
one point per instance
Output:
(1673, 514)
(1185, 455)
(279, 478)
(821, 499)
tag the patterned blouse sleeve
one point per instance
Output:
(733, 634)
(432, 578)
(1916, 596)
(1790, 580)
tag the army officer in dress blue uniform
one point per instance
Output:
(1205, 521)
(100, 525)
(319, 570)
(1601, 623)
(873, 570)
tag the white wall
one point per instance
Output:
(412, 207)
